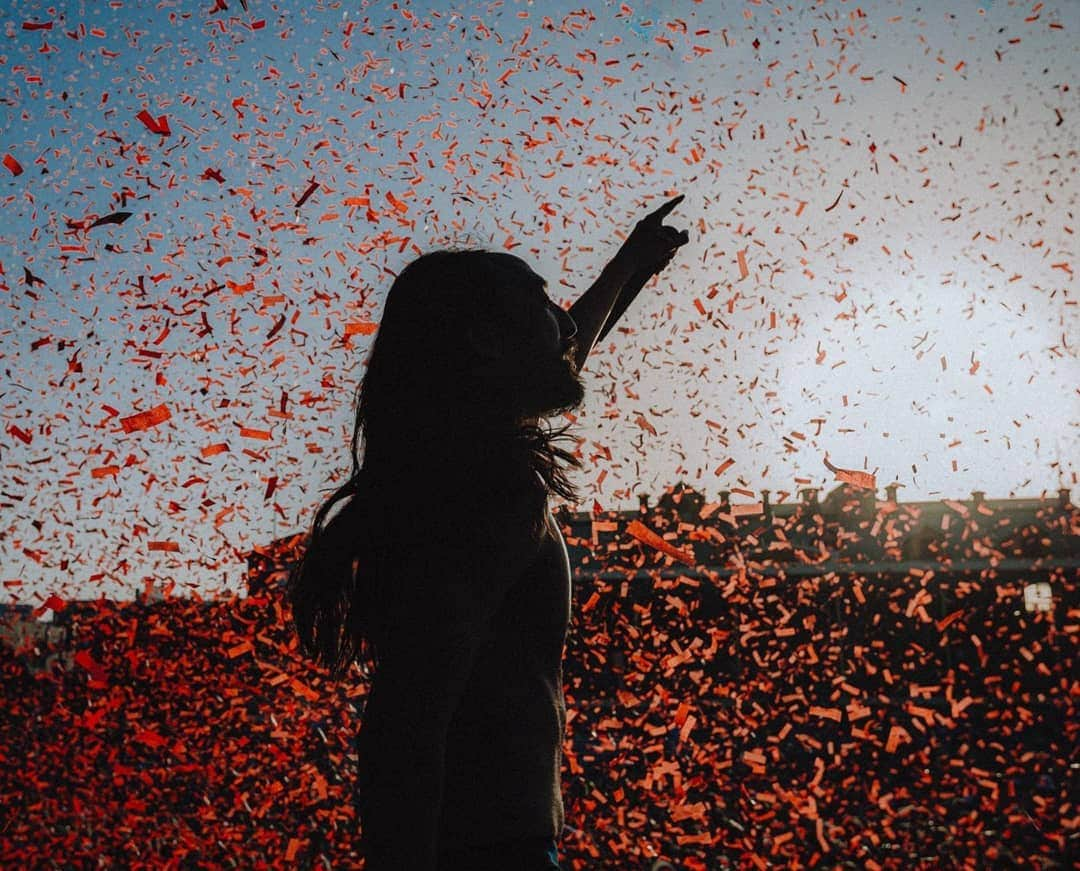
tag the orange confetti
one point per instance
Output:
(304, 690)
(396, 203)
(167, 546)
(743, 269)
(854, 477)
(145, 419)
(645, 535)
(644, 424)
(724, 466)
(361, 328)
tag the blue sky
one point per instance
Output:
(899, 180)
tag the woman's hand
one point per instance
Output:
(651, 245)
(646, 252)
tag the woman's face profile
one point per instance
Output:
(559, 327)
(528, 341)
(526, 322)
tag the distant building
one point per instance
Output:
(683, 516)
(41, 644)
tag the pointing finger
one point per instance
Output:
(665, 210)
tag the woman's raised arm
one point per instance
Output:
(645, 253)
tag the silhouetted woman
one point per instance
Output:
(445, 565)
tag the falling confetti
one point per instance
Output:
(850, 476)
(869, 192)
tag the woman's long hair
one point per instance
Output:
(435, 441)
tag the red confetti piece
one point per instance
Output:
(21, 434)
(145, 419)
(167, 546)
(13, 166)
(150, 738)
(360, 328)
(645, 535)
(240, 649)
(856, 478)
(744, 270)
(304, 690)
(53, 602)
(240, 289)
(644, 424)
(154, 125)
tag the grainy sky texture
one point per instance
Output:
(205, 203)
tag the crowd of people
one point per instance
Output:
(765, 709)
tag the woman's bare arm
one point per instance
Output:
(648, 249)
(628, 294)
(592, 309)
